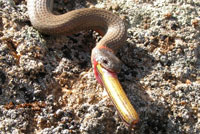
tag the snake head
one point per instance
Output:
(106, 59)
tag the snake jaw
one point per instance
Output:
(98, 78)
(98, 75)
(102, 56)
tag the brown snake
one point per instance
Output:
(110, 26)
(106, 23)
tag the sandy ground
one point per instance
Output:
(47, 84)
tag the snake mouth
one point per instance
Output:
(104, 75)
(101, 73)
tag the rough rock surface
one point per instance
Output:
(47, 84)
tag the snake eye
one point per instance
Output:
(105, 61)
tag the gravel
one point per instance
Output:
(47, 83)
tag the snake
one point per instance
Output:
(110, 26)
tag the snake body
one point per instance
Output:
(106, 23)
